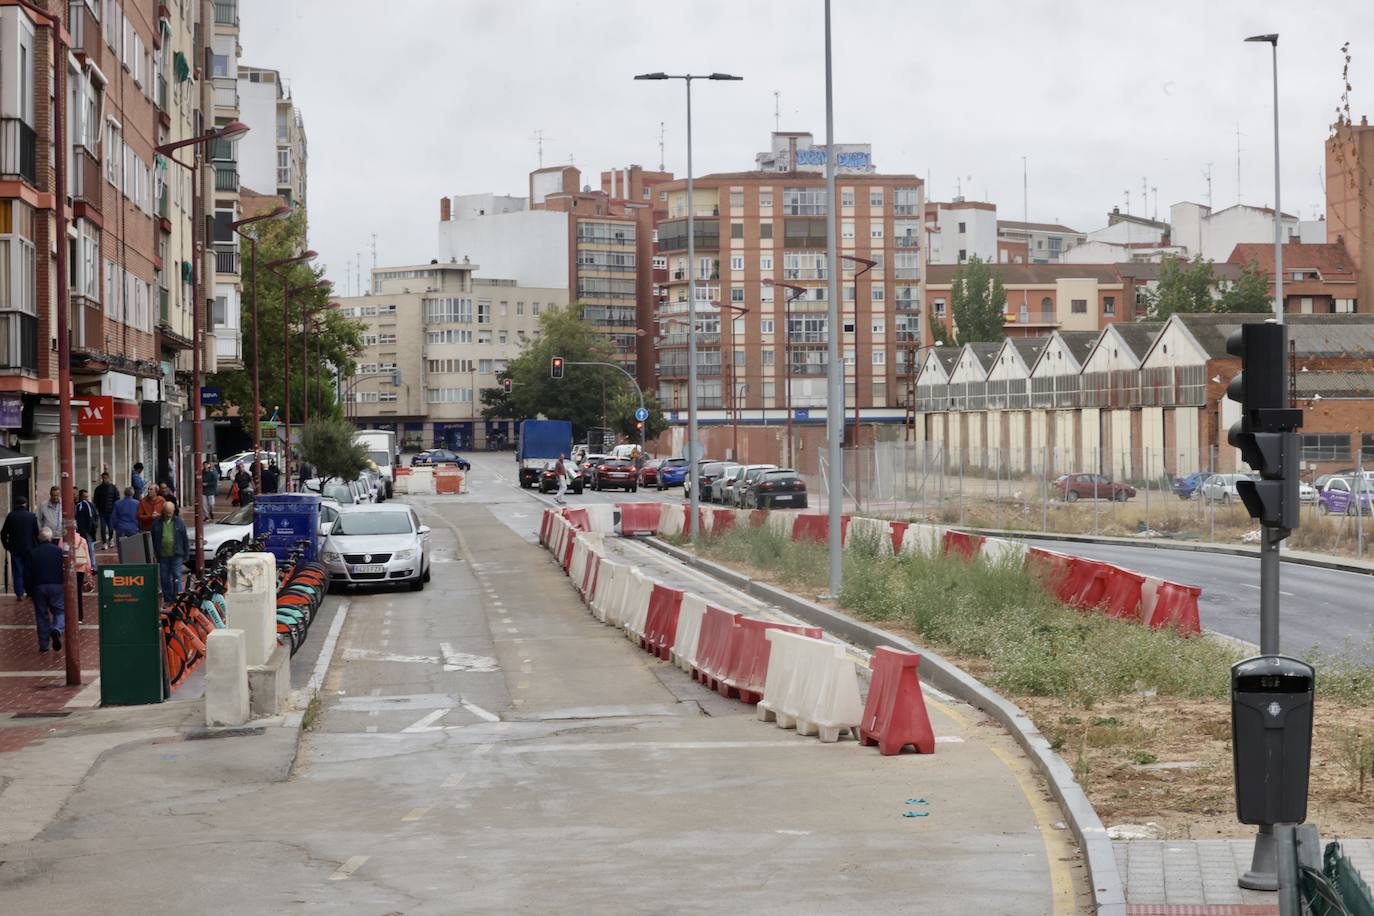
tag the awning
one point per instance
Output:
(14, 466)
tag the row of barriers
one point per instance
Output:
(793, 676)
(1088, 585)
(428, 481)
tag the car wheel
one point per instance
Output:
(634, 489)
(1121, 496)
(426, 576)
(578, 490)
(1322, 509)
(1070, 496)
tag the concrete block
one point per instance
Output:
(226, 678)
(269, 685)
(252, 599)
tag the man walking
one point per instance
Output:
(106, 495)
(172, 548)
(561, 471)
(19, 536)
(44, 575)
(270, 478)
(86, 523)
(50, 513)
(243, 480)
(209, 484)
(136, 479)
(125, 518)
(149, 508)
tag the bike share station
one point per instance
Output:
(245, 620)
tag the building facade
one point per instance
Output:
(224, 105)
(434, 336)
(960, 230)
(273, 156)
(1350, 198)
(1034, 243)
(1318, 279)
(1047, 297)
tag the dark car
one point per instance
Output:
(1073, 487)
(707, 473)
(615, 472)
(548, 478)
(776, 488)
(440, 457)
(648, 475)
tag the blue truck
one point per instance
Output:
(541, 441)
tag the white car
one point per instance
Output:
(381, 544)
(226, 467)
(1221, 488)
(344, 492)
(224, 536)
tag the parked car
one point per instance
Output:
(378, 544)
(708, 473)
(226, 467)
(1221, 488)
(1307, 493)
(1189, 486)
(783, 487)
(441, 457)
(592, 459)
(752, 472)
(1341, 495)
(648, 475)
(344, 492)
(720, 486)
(1072, 487)
(548, 478)
(672, 472)
(224, 536)
(615, 472)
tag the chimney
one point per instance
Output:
(445, 209)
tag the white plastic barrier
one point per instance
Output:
(816, 688)
(421, 481)
(1149, 594)
(684, 651)
(874, 529)
(251, 599)
(707, 521)
(672, 520)
(579, 559)
(605, 581)
(781, 523)
(920, 538)
(1004, 550)
(636, 607)
(620, 597)
(601, 517)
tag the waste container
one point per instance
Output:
(1271, 738)
(288, 519)
(130, 635)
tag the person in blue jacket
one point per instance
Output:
(172, 548)
(125, 517)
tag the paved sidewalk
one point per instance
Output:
(33, 681)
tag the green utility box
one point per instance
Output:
(130, 635)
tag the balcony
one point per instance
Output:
(905, 241)
(908, 337)
(226, 93)
(18, 342)
(226, 260)
(226, 178)
(222, 151)
(164, 205)
(676, 370)
(86, 35)
(164, 312)
(161, 93)
(907, 305)
(807, 337)
(1034, 317)
(906, 273)
(86, 330)
(809, 369)
(679, 339)
(88, 182)
(18, 151)
(227, 12)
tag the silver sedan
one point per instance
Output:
(378, 545)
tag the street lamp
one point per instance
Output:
(280, 213)
(834, 416)
(866, 264)
(739, 310)
(796, 292)
(228, 133)
(287, 291)
(306, 313)
(1273, 42)
(692, 456)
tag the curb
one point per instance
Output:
(1109, 894)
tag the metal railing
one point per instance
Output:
(906, 241)
(226, 93)
(18, 151)
(227, 12)
(164, 312)
(226, 178)
(226, 261)
(86, 330)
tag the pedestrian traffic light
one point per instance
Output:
(555, 367)
(506, 385)
(1265, 433)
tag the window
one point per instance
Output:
(386, 396)
(1109, 305)
(904, 201)
(519, 308)
(767, 357)
(962, 229)
(1366, 448)
(803, 201)
(484, 311)
(484, 366)
(113, 154)
(878, 294)
(875, 230)
(939, 308)
(443, 311)
(846, 197)
(737, 262)
(484, 337)
(1078, 306)
(849, 326)
(534, 309)
(737, 294)
(879, 357)
(849, 293)
(875, 198)
(963, 255)
(1326, 447)
(369, 340)
(386, 339)
(879, 326)
(765, 230)
(765, 294)
(736, 200)
(765, 262)
(847, 229)
(501, 336)
(505, 308)
(766, 326)
(765, 200)
(448, 396)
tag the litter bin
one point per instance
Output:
(288, 519)
(130, 635)
(1271, 738)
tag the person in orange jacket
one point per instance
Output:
(149, 508)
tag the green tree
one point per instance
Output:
(939, 334)
(1184, 286)
(978, 302)
(332, 348)
(1248, 294)
(328, 445)
(621, 415)
(578, 396)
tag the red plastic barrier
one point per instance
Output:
(722, 520)
(1078, 575)
(544, 525)
(639, 518)
(1121, 598)
(758, 518)
(815, 527)
(965, 544)
(1087, 583)
(1176, 606)
(895, 714)
(713, 644)
(660, 627)
(568, 550)
(1048, 566)
(589, 576)
(747, 667)
(578, 519)
(898, 535)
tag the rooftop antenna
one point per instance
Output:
(661, 131)
(539, 138)
(1155, 213)
(1207, 173)
(777, 111)
(1238, 150)
(359, 264)
(374, 260)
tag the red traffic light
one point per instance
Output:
(555, 367)
(506, 385)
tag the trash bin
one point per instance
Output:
(288, 519)
(1271, 738)
(130, 635)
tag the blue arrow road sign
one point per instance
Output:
(641, 414)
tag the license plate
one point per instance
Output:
(367, 570)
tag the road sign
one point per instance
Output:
(209, 397)
(641, 415)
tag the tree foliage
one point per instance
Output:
(978, 302)
(1248, 294)
(621, 415)
(335, 347)
(1184, 286)
(328, 445)
(581, 396)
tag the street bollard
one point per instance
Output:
(226, 678)
(252, 600)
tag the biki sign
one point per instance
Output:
(96, 418)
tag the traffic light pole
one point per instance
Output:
(633, 381)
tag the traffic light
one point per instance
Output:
(506, 385)
(555, 367)
(639, 426)
(1265, 432)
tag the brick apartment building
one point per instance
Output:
(1350, 199)
(1318, 279)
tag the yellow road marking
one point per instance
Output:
(415, 814)
(1058, 851)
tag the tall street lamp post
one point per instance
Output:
(834, 414)
(692, 449)
(228, 133)
(1273, 41)
(306, 326)
(866, 264)
(286, 293)
(279, 213)
(791, 293)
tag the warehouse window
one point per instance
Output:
(1326, 447)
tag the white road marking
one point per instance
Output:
(512, 630)
(453, 781)
(462, 661)
(372, 729)
(1257, 588)
(423, 724)
(793, 832)
(480, 713)
(331, 640)
(948, 739)
(348, 868)
(563, 748)
(372, 655)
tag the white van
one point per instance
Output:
(381, 450)
(627, 451)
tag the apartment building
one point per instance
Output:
(1046, 297)
(273, 157)
(1034, 243)
(959, 230)
(1317, 279)
(756, 351)
(223, 202)
(434, 336)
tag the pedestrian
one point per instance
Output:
(19, 536)
(106, 495)
(209, 485)
(136, 479)
(307, 471)
(271, 478)
(149, 508)
(43, 576)
(561, 472)
(125, 516)
(169, 476)
(243, 482)
(50, 513)
(87, 523)
(171, 548)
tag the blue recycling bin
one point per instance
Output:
(288, 519)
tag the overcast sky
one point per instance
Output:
(411, 100)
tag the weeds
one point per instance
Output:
(1355, 754)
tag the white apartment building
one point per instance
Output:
(273, 156)
(227, 298)
(435, 335)
(1211, 234)
(509, 240)
(961, 230)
